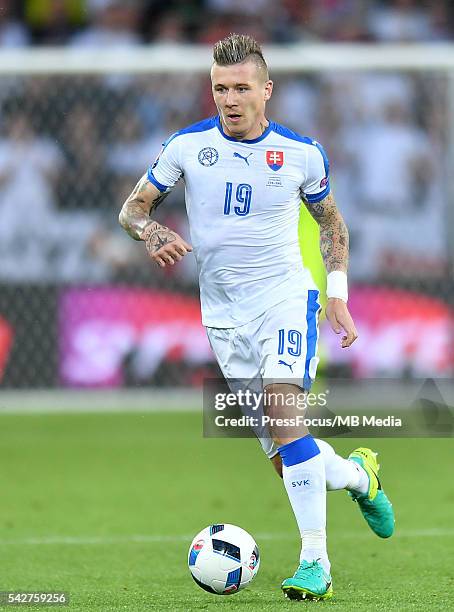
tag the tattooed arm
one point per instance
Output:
(333, 233)
(163, 245)
(334, 249)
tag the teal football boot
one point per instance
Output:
(310, 581)
(375, 506)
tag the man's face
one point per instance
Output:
(240, 93)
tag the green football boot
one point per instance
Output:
(310, 581)
(375, 506)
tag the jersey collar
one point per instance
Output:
(254, 140)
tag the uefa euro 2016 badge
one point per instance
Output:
(275, 159)
(208, 156)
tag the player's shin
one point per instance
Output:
(304, 478)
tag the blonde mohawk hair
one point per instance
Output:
(238, 48)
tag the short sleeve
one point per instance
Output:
(166, 170)
(316, 186)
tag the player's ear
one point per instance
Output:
(268, 90)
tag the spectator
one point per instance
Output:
(114, 27)
(394, 169)
(441, 23)
(392, 182)
(114, 24)
(295, 103)
(401, 21)
(169, 28)
(87, 182)
(13, 33)
(53, 21)
(252, 7)
(339, 20)
(132, 150)
(29, 165)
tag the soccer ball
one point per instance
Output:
(223, 559)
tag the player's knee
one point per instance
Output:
(281, 398)
(285, 419)
(326, 450)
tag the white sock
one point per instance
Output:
(303, 471)
(313, 546)
(342, 473)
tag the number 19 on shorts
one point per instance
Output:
(291, 340)
(243, 196)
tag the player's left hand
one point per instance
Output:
(340, 319)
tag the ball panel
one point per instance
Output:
(229, 550)
(219, 587)
(203, 586)
(233, 580)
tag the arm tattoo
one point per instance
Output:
(333, 233)
(135, 214)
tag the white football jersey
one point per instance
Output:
(243, 200)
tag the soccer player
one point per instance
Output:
(245, 177)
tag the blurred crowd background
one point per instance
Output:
(72, 148)
(132, 22)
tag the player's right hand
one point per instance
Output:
(164, 246)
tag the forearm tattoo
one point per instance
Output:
(334, 242)
(135, 214)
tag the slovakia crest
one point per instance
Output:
(275, 159)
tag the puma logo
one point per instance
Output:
(246, 159)
(289, 365)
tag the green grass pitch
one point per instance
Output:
(104, 506)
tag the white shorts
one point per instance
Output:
(278, 346)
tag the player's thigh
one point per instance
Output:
(233, 354)
(240, 365)
(288, 341)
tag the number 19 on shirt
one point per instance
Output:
(243, 195)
